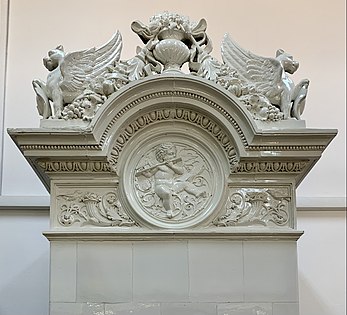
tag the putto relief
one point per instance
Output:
(79, 83)
(173, 182)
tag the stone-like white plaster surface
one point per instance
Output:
(215, 271)
(270, 271)
(160, 271)
(63, 272)
(104, 272)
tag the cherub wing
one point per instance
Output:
(81, 67)
(264, 73)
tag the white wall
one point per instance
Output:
(313, 31)
(322, 262)
(24, 262)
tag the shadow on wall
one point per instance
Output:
(311, 303)
(28, 292)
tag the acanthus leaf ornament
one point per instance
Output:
(80, 82)
(88, 208)
(255, 206)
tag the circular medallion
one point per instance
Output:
(173, 181)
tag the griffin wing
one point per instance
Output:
(81, 67)
(264, 73)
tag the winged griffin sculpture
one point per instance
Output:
(269, 76)
(80, 82)
(72, 74)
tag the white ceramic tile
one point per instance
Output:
(160, 271)
(63, 272)
(93, 309)
(77, 309)
(215, 271)
(104, 272)
(244, 309)
(188, 309)
(270, 271)
(286, 309)
(65, 309)
(133, 309)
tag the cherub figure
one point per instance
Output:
(167, 174)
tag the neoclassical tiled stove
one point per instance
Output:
(172, 192)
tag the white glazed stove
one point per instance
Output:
(171, 192)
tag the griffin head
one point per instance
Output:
(288, 63)
(55, 56)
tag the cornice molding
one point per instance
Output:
(237, 234)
